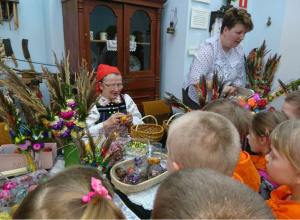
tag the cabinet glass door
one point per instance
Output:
(103, 35)
(140, 38)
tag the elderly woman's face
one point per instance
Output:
(111, 86)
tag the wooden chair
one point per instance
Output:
(158, 109)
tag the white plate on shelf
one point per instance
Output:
(134, 63)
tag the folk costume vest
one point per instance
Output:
(107, 108)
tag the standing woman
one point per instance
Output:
(112, 106)
(222, 53)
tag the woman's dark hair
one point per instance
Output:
(234, 16)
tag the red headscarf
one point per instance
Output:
(102, 71)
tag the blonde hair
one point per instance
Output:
(204, 139)
(294, 99)
(234, 16)
(206, 194)
(286, 140)
(238, 115)
(60, 198)
(266, 120)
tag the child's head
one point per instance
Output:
(283, 165)
(60, 197)
(206, 194)
(238, 115)
(291, 105)
(204, 140)
(263, 123)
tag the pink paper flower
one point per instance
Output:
(24, 147)
(256, 97)
(36, 146)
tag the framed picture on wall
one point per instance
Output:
(205, 1)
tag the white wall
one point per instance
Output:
(173, 48)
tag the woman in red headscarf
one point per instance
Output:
(113, 107)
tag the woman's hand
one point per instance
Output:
(228, 90)
(114, 119)
(129, 119)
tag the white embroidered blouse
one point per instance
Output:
(94, 114)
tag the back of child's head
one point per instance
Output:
(286, 140)
(238, 115)
(263, 123)
(206, 194)
(291, 105)
(204, 140)
(60, 197)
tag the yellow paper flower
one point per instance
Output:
(6, 127)
(17, 140)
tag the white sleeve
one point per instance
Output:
(91, 120)
(132, 108)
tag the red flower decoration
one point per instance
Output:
(262, 103)
(271, 109)
(267, 90)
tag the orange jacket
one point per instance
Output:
(283, 209)
(237, 177)
(259, 162)
(247, 171)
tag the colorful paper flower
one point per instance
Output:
(262, 103)
(256, 97)
(24, 147)
(251, 102)
(57, 124)
(38, 146)
(69, 122)
(66, 113)
(71, 103)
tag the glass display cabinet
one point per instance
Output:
(122, 33)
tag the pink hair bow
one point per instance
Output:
(98, 189)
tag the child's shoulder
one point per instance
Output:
(281, 207)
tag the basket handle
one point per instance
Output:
(144, 118)
(179, 113)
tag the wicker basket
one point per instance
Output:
(127, 188)
(167, 122)
(153, 132)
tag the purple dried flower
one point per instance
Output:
(24, 146)
(66, 133)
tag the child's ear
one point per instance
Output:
(264, 140)
(298, 177)
(175, 166)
